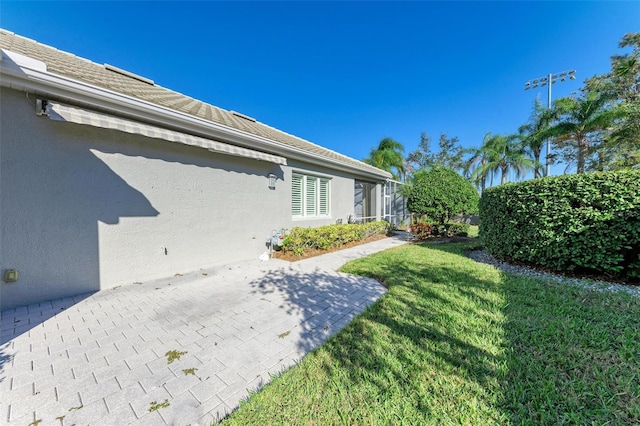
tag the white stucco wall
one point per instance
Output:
(84, 209)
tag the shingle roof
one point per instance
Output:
(71, 66)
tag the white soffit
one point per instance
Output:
(61, 112)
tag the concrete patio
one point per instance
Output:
(178, 351)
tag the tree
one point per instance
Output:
(450, 153)
(534, 131)
(440, 194)
(625, 82)
(625, 69)
(580, 128)
(422, 157)
(478, 159)
(623, 145)
(503, 154)
(610, 138)
(388, 156)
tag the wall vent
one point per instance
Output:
(128, 74)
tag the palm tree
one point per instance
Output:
(580, 123)
(502, 154)
(388, 156)
(533, 132)
(477, 160)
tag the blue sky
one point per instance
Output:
(346, 74)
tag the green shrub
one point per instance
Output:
(440, 194)
(301, 240)
(458, 229)
(584, 222)
(424, 231)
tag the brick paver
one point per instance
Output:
(177, 351)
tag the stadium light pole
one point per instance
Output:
(549, 80)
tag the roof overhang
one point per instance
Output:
(29, 75)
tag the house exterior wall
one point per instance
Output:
(341, 194)
(84, 208)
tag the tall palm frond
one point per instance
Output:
(533, 133)
(504, 154)
(581, 122)
(388, 156)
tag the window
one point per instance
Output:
(310, 196)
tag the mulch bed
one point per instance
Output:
(438, 240)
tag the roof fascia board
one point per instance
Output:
(44, 83)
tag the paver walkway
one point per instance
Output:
(176, 351)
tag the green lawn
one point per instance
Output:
(458, 342)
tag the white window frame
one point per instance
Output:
(310, 196)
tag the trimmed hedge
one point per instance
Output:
(301, 240)
(582, 223)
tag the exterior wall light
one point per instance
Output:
(10, 276)
(272, 181)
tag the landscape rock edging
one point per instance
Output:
(483, 256)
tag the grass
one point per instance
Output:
(458, 342)
(174, 355)
(154, 406)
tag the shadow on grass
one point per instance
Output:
(571, 353)
(424, 309)
(458, 342)
(392, 352)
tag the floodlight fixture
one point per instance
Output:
(549, 81)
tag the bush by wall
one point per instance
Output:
(585, 222)
(301, 240)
